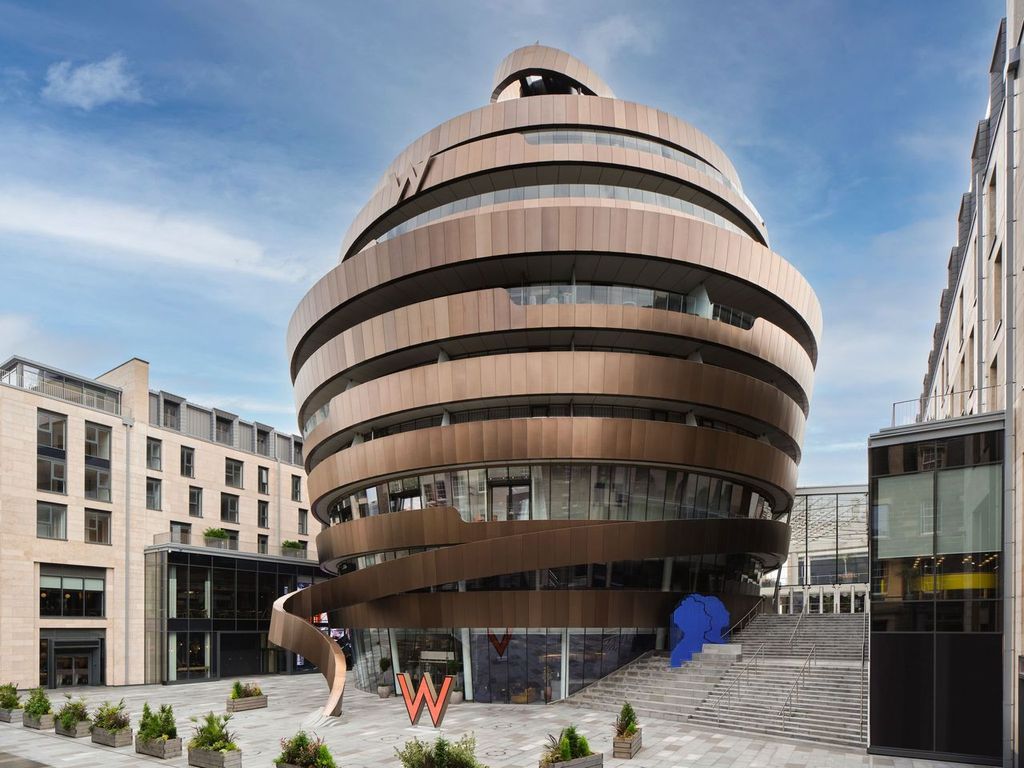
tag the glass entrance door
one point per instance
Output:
(72, 669)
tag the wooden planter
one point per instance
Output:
(116, 739)
(41, 723)
(249, 702)
(626, 748)
(79, 730)
(11, 715)
(205, 758)
(590, 761)
(162, 748)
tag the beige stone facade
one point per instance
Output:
(121, 401)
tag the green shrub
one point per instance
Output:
(212, 734)
(215, 533)
(111, 717)
(242, 690)
(72, 713)
(38, 703)
(9, 696)
(626, 724)
(289, 544)
(441, 754)
(568, 745)
(160, 725)
(305, 752)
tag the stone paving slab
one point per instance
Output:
(365, 736)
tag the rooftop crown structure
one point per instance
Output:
(557, 382)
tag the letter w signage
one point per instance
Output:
(426, 695)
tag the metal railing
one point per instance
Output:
(69, 391)
(947, 405)
(796, 629)
(746, 619)
(795, 688)
(735, 687)
(863, 676)
(228, 545)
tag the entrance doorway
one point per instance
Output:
(72, 669)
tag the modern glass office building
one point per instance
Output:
(557, 381)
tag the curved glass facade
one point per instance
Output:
(547, 191)
(558, 492)
(628, 141)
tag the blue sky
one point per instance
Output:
(174, 176)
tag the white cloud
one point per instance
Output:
(139, 233)
(91, 85)
(600, 43)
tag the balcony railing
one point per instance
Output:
(229, 545)
(69, 391)
(948, 405)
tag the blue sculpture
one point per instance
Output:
(698, 619)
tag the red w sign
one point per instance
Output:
(436, 704)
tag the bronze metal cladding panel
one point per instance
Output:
(643, 377)
(770, 286)
(473, 314)
(535, 58)
(570, 439)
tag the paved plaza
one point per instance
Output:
(365, 736)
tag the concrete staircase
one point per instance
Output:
(748, 685)
(657, 690)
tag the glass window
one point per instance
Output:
(296, 488)
(304, 522)
(51, 521)
(229, 508)
(188, 461)
(49, 595)
(71, 595)
(153, 493)
(263, 514)
(97, 441)
(898, 504)
(264, 480)
(154, 451)
(970, 509)
(262, 543)
(579, 499)
(233, 473)
(223, 431)
(195, 501)
(51, 430)
(181, 533)
(97, 483)
(97, 526)
(50, 474)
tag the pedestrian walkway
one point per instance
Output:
(508, 736)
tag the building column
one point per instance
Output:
(467, 657)
(565, 663)
(660, 638)
(393, 642)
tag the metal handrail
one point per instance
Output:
(796, 684)
(796, 629)
(743, 621)
(942, 405)
(863, 674)
(748, 665)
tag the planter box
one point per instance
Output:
(626, 749)
(116, 739)
(249, 702)
(456, 697)
(79, 730)
(204, 758)
(11, 715)
(41, 723)
(162, 748)
(384, 691)
(590, 761)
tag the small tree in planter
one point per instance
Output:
(111, 725)
(570, 750)
(301, 751)
(215, 537)
(450, 754)
(291, 548)
(213, 745)
(73, 718)
(10, 704)
(628, 733)
(245, 696)
(38, 713)
(384, 681)
(158, 734)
